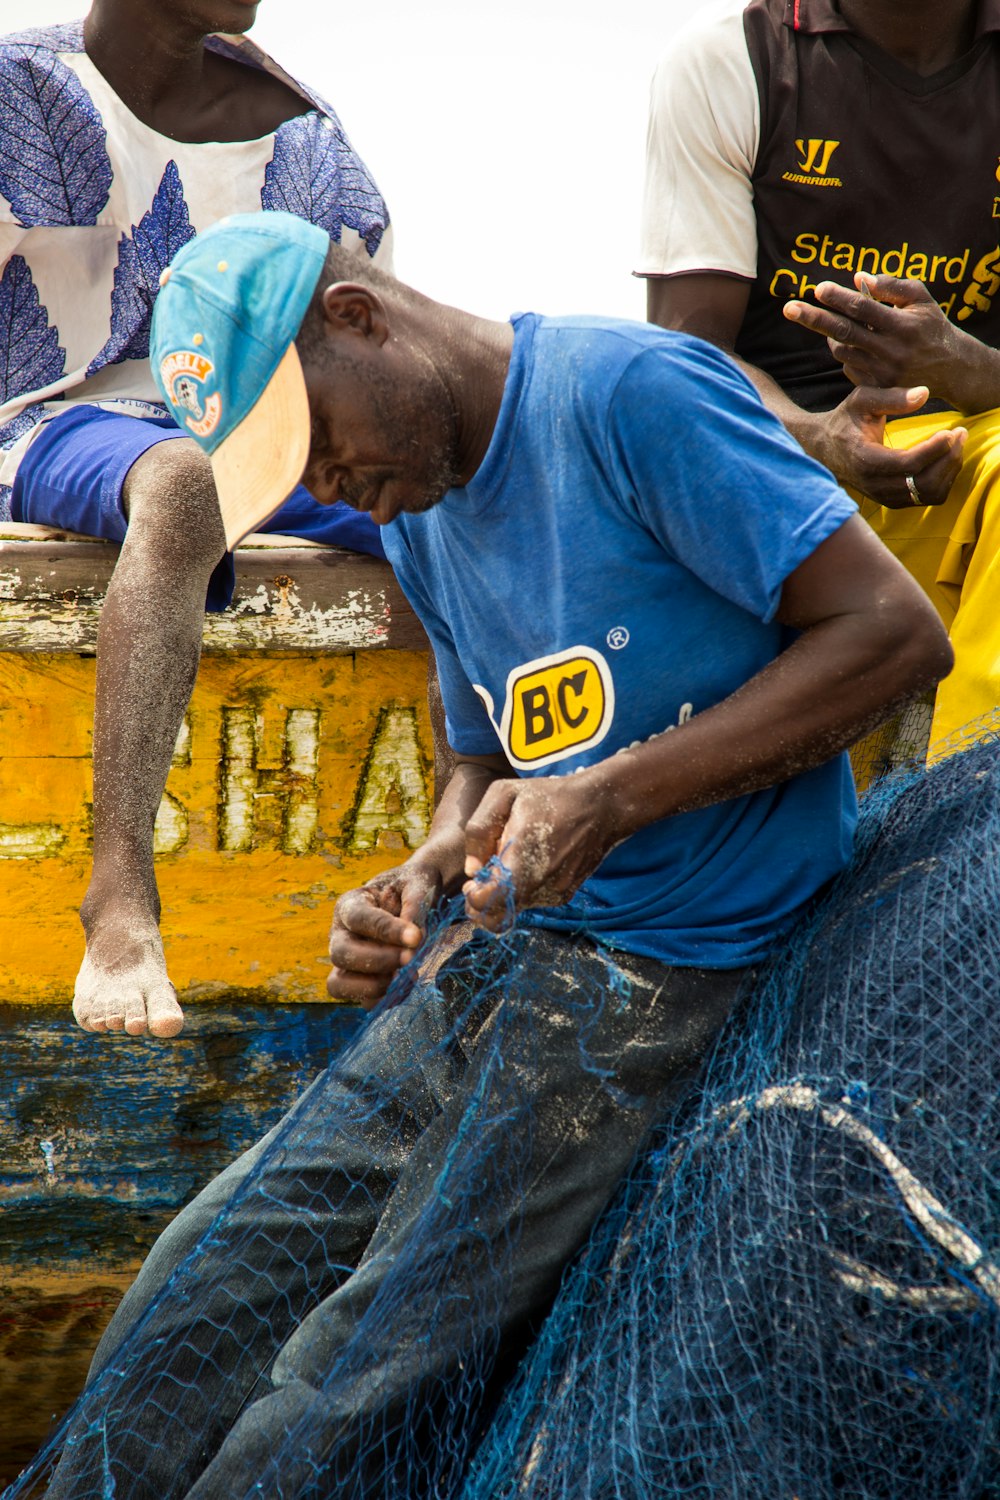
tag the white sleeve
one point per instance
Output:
(704, 128)
(383, 255)
(11, 236)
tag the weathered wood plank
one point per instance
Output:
(290, 596)
(104, 1138)
(49, 1328)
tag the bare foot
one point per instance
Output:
(124, 987)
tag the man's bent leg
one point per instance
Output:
(560, 1088)
(243, 1265)
(953, 551)
(148, 647)
(969, 696)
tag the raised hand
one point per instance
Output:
(889, 332)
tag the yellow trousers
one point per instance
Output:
(953, 551)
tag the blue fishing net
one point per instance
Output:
(797, 1294)
(795, 1291)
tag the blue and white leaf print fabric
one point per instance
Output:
(54, 165)
(95, 203)
(30, 355)
(66, 37)
(22, 423)
(141, 258)
(316, 174)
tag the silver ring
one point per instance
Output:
(911, 485)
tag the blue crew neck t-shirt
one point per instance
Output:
(613, 568)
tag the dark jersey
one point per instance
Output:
(866, 166)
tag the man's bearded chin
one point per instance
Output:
(437, 485)
(425, 486)
(435, 474)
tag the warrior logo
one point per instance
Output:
(183, 374)
(814, 164)
(816, 156)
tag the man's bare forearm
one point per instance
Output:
(970, 380)
(444, 848)
(843, 675)
(809, 429)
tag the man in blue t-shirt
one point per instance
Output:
(657, 626)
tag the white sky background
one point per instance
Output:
(506, 135)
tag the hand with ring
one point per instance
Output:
(851, 441)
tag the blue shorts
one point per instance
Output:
(74, 468)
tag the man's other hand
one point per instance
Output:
(377, 929)
(888, 332)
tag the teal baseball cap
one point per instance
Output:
(222, 350)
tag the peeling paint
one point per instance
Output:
(292, 786)
(302, 805)
(238, 778)
(314, 750)
(182, 749)
(393, 793)
(170, 831)
(52, 588)
(30, 840)
(356, 623)
(134, 1122)
(251, 625)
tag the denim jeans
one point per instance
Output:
(332, 1314)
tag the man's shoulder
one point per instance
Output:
(574, 356)
(721, 37)
(608, 351)
(709, 35)
(619, 338)
(243, 49)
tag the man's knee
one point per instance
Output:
(171, 504)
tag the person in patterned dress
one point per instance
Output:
(121, 136)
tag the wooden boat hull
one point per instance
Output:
(304, 766)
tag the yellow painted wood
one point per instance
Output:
(296, 777)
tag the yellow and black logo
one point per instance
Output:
(556, 706)
(814, 164)
(979, 294)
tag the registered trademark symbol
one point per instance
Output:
(618, 637)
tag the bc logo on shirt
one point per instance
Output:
(555, 707)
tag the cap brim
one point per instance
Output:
(259, 464)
